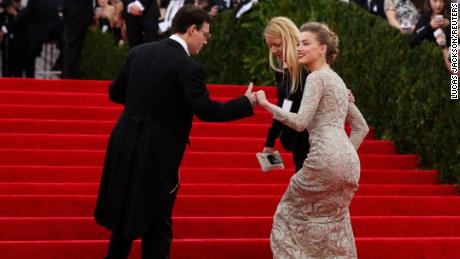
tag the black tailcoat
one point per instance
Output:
(161, 88)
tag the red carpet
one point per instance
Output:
(52, 140)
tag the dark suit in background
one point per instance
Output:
(35, 24)
(18, 60)
(78, 15)
(14, 47)
(423, 30)
(161, 88)
(142, 28)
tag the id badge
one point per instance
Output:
(287, 104)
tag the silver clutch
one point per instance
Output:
(269, 161)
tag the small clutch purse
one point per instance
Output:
(269, 161)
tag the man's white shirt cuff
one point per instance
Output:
(138, 4)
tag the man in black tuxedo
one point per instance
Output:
(141, 17)
(161, 88)
(78, 15)
(35, 24)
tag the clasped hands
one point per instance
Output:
(256, 98)
(259, 98)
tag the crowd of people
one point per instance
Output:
(421, 19)
(24, 30)
(25, 27)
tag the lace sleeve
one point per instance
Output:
(308, 106)
(359, 128)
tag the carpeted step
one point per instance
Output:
(407, 189)
(223, 189)
(56, 126)
(92, 174)
(209, 144)
(403, 248)
(85, 228)
(59, 112)
(95, 86)
(16, 111)
(55, 98)
(8, 111)
(73, 86)
(74, 99)
(368, 248)
(191, 159)
(93, 127)
(226, 205)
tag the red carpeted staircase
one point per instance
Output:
(52, 142)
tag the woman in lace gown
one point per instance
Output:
(312, 220)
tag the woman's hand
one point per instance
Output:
(261, 98)
(445, 23)
(269, 150)
(435, 24)
(441, 40)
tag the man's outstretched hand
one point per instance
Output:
(251, 95)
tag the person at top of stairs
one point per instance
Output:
(161, 88)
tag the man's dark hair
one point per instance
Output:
(187, 16)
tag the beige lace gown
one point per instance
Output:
(312, 220)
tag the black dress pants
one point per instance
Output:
(74, 38)
(141, 29)
(156, 241)
(299, 156)
(20, 63)
(300, 151)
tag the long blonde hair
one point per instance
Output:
(285, 29)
